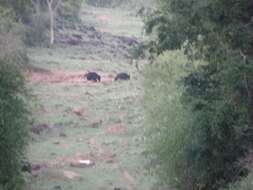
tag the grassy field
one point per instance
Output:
(101, 122)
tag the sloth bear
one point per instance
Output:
(122, 76)
(93, 76)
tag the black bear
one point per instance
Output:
(122, 76)
(92, 76)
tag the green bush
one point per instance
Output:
(11, 38)
(21, 8)
(218, 94)
(196, 135)
(13, 126)
(218, 99)
(244, 184)
(13, 111)
(37, 30)
(70, 10)
(167, 120)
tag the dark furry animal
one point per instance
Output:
(122, 76)
(92, 76)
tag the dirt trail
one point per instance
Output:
(61, 76)
(88, 136)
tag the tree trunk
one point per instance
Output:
(52, 9)
(51, 15)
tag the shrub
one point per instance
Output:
(197, 131)
(244, 184)
(218, 94)
(13, 126)
(70, 10)
(13, 111)
(219, 102)
(166, 118)
(11, 38)
(37, 30)
(21, 8)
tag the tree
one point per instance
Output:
(219, 94)
(52, 8)
(21, 8)
(14, 119)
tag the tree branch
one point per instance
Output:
(49, 2)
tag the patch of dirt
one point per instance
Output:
(75, 161)
(116, 129)
(97, 124)
(32, 68)
(61, 76)
(78, 111)
(100, 152)
(71, 175)
(64, 161)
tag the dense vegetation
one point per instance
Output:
(22, 23)
(201, 138)
(13, 127)
(13, 109)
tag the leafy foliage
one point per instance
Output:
(243, 184)
(11, 35)
(13, 111)
(70, 10)
(37, 30)
(218, 94)
(21, 8)
(13, 126)
(33, 16)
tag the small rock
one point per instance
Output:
(73, 41)
(82, 164)
(37, 129)
(71, 175)
(96, 124)
(58, 187)
(119, 188)
(80, 140)
(36, 167)
(78, 111)
(62, 134)
(92, 29)
(77, 36)
(110, 161)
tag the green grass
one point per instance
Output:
(113, 103)
(118, 22)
